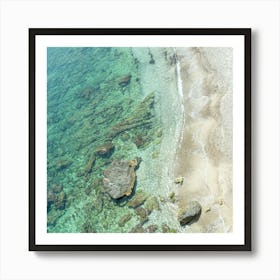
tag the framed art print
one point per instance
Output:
(140, 139)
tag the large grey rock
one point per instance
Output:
(120, 177)
(190, 213)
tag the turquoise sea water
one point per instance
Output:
(97, 97)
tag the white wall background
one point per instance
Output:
(16, 262)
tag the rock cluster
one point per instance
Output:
(142, 116)
(143, 205)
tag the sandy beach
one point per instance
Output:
(204, 155)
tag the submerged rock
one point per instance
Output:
(124, 81)
(120, 177)
(56, 188)
(87, 227)
(152, 204)
(86, 93)
(125, 136)
(90, 163)
(166, 229)
(138, 199)
(53, 217)
(105, 150)
(56, 197)
(141, 212)
(50, 198)
(138, 229)
(60, 201)
(139, 141)
(98, 203)
(142, 116)
(152, 228)
(190, 214)
(124, 219)
(63, 164)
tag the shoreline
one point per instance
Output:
(161, 78)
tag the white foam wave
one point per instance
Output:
(181, 119)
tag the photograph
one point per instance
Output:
(127, 151)
(137, 138)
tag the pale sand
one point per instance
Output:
(204, 157)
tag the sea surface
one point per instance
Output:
(92, 94)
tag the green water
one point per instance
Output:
(97, 96)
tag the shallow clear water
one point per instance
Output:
(98, 96)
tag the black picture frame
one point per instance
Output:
(246, 33)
